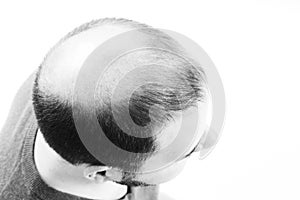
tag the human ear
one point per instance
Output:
(93, 172)
(207, 142)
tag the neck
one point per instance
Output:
(144, 193)
(68, 178)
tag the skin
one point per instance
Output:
(84, 180)
(59, 74)
(77, 180)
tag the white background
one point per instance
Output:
(254, 44)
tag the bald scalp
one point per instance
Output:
(55, 80)
(62, 64)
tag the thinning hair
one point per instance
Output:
(55, 116)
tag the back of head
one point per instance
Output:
(143, 92)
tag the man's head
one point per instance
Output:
(155, 107)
